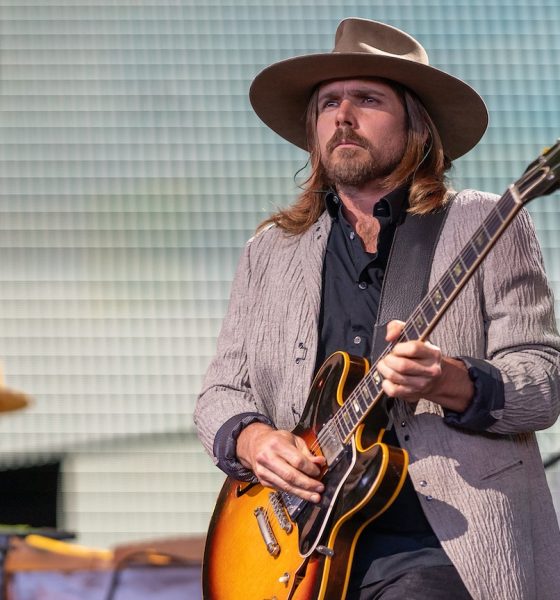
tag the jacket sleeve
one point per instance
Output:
(226, 390)
(522, 339)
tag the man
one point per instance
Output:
(474, 518)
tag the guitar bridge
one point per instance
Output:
(280, 512)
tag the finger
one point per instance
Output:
(393, 366)
(396, 390)
(394, 329)
(291, 481)
(284, 462)
(416, 383)
(317, 459)
(417, 351)
(298, 456)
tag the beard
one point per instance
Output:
(355, 166)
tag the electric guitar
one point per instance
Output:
(264, 544)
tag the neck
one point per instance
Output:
(358, 203)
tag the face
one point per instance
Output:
(361, 130)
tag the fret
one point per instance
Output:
(492, 224)
(347, 420)
(410, 332)
(420, 321)
(457, 270)
(429, 311)
(375, 379)
(489, 229)
(363, 397)
(447, 285)
(342, 428)
(356, 407)
(506, 206)
(501, 213)
(351, 419)
(498, 212)
(470, 254)
(480, 240)
(437, 297)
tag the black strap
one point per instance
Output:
(408, 270)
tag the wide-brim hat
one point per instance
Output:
(280, 93)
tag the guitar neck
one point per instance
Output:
(431, 309)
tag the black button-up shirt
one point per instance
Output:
(352, 278)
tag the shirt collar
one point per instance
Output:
(392, 205)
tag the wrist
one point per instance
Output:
(245, 442)
(456, 389)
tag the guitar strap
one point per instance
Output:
(408, 270)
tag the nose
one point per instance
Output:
(345, 114)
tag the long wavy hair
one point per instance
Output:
(423, 168)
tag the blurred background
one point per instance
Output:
(132, 171)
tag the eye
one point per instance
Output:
(370, 100)
(328, 103)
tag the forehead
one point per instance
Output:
(337, 86)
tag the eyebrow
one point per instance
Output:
(354, 91)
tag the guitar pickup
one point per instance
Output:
(331, 445)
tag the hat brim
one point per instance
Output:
(281, 92)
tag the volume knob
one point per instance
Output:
(284, 578)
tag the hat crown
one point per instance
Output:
(372, 37)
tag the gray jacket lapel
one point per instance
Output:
(311, 253)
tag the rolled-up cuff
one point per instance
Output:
(225, 444)
(488, 399)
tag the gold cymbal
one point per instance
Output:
(12, 399)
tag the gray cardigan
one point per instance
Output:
(484, 493)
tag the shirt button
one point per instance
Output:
(403, 423)
(423, 483)
(357, 339)
(362, 285)
(429, 498)
(352, 235)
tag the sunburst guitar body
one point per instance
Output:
(268, 545)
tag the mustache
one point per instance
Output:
(345, 134)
